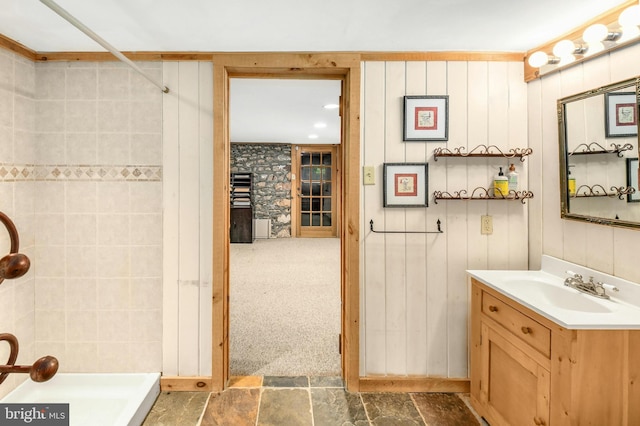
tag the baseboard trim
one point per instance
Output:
(185, 384)
(413, 384)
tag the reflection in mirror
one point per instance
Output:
(598, 132)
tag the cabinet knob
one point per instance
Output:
(538, 421)
(527, 330)
(493, 308)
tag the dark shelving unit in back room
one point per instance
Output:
(241, 216)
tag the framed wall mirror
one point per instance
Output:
(598, 134)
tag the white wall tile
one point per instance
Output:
(50, 83)
(82, 197)
(146, 149)
(82, 326)
(114, 84)
(113, 293)
(81, 294)
(49, 148)
(81, 116)
(81, 261)
(113, 326)
(81, 83)
(81, 229)
(50, 116)
(113, 197)
(80, 148)
(113, 148)
(113, 262)
(113, 229)
(113, 116)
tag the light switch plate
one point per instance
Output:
(369, 177)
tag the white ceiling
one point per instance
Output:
(294, 25)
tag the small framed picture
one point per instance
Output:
(405, 185)
(632, 180)
(426, 118)
(621, 114)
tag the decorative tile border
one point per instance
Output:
(45, 172)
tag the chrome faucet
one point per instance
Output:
(591, 287)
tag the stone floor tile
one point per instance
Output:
(285, 407)
(245, 381)
(335, 406)
(391, 409)
(238, 407)
(286, 381)
(177, 408)
(443, 409)
(326, 382)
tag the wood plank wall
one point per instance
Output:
(414, 293)
(611, 250)
(188, 212)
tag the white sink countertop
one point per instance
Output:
(544, 292)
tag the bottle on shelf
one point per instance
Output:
(500, 185)
(512, 177)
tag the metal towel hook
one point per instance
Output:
(13, 265)
(42, 370)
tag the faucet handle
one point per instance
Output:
(573, 274)
(609, 287)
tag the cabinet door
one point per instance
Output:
(513, 388)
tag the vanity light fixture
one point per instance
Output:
(618, 27)
(331, 106)
(313, 136)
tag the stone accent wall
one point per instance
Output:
(271, 168)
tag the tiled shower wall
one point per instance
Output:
(98, 216)
(17, 118)
(90, 156)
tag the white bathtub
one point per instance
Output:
(95, 399)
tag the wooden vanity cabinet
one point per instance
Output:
(528, 370)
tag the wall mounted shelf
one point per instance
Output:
(586, 191)
(596, 148)
(483, 194)
(482, 151)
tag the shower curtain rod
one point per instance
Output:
(79, 25)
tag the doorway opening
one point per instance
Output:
(284, 286)
(342, 67)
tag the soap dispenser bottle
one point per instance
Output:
(500, 185)
(571, 182)
(512, 177)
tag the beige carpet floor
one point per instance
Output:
(285, 307)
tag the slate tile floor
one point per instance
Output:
(313, 401)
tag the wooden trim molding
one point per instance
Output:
(12, 45)
(443, 56)
(15, 47)
(185, 384)
(414, 384)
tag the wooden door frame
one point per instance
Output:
(342, 66)
(336, 149)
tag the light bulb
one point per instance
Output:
(628, 33)
(594, 47)
(630, 17)
(595, 33)
(564, 48)
(538, 59)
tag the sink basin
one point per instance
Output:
(559, 296)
